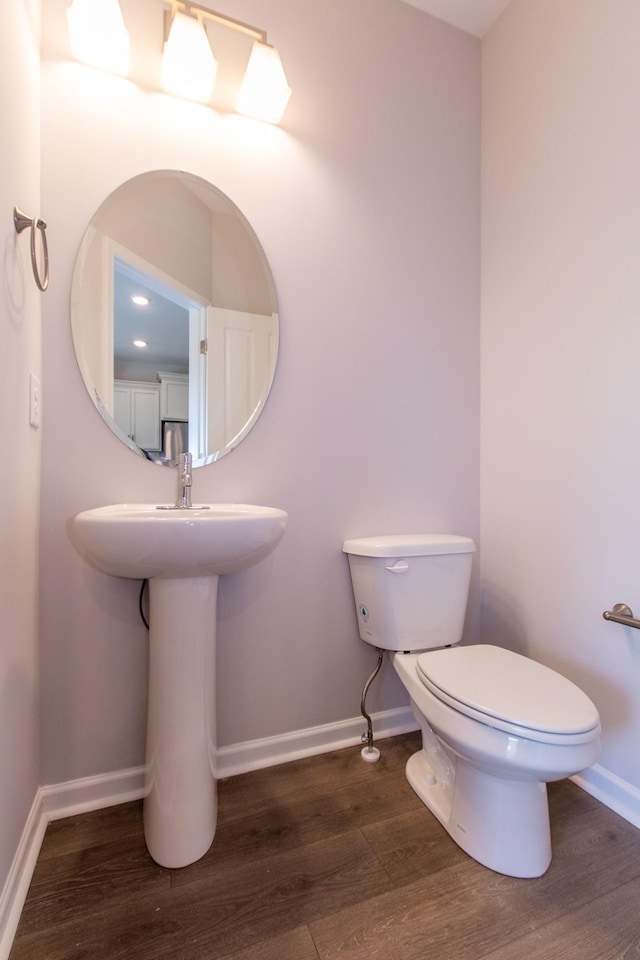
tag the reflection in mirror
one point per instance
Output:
(174, 318)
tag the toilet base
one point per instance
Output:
(503, 824)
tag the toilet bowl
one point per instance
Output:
(496, 726)
(483, 771)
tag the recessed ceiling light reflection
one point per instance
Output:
(140, 343)
(140, 301)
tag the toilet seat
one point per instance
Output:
(509, 692)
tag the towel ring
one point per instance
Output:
(21, 222)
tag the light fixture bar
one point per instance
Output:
(202, 13)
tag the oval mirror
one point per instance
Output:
(174, 318)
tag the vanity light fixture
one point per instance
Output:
(189, 67)
(98, 35)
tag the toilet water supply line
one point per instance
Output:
(369, 753)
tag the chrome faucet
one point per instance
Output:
(183, 497)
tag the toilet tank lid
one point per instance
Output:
(409, 545)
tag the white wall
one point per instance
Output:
(366, 203)
(560, 347)
(20, 468)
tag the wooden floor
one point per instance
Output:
(331, 858)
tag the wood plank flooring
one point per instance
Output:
(331, 858)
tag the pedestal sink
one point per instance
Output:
(181, 552)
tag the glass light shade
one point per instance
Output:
(188, 65)
(264, 93)
(98, 35)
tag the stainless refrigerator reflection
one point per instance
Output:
(175, 438)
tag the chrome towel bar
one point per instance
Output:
(621, 613)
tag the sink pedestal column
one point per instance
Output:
(180, 805)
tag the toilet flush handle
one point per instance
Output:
(400, 566)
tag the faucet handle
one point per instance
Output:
(184, 469)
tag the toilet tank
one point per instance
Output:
(410, 590)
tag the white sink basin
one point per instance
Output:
(141, 541)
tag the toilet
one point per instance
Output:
(496, 726)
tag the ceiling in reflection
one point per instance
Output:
(162, 324)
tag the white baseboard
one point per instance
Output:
(14, 892)
(615, 793)
(52, 803)
(69, 799)
(254, 754)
